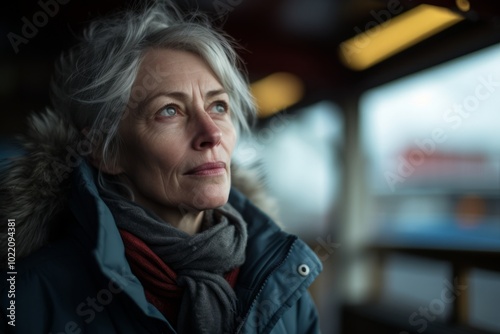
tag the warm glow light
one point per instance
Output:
(395, 35)
(277, 92)
(463, 5)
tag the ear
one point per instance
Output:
(95, 159)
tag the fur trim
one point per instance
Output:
(34, 186)
(33, 190)
(251, 183)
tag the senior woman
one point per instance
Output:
(124, 216)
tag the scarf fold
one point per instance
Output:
(200, 265)
(158, 279)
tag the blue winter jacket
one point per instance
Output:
(81, 281)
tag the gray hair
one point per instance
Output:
(92, 84)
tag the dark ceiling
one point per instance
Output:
(298, 36)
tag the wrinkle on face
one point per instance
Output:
(159, 150)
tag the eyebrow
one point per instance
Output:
(182, 96)
(216, 92)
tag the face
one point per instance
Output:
(178, 141)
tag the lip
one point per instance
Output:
(208, 169)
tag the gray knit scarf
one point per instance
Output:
(209, 303)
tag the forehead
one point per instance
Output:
(160, 67)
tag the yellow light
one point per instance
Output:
(277, 92)
(463, 5)
(395, 35)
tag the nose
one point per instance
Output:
(207, 133)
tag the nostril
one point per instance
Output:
(209, 140)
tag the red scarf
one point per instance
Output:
(157, 278)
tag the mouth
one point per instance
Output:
(208, 169)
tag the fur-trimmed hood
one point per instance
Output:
(35, 185)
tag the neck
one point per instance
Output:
(187, 221)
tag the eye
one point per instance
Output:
(168, 111)
(219, 107)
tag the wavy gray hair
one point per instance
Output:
(92, 84)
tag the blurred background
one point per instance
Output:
(378, 135)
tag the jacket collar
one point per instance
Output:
(103, 237)
(267, 243)
(269, 282)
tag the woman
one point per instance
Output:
(125, 219)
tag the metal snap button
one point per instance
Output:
(303, 270)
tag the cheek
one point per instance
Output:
(142, 152)
(231, 138)
(164, 152)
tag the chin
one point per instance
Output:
(211, 197)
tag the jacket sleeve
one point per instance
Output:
(302, 318)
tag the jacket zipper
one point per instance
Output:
(289, 245)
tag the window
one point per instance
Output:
(296, 153)
(432, 142)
